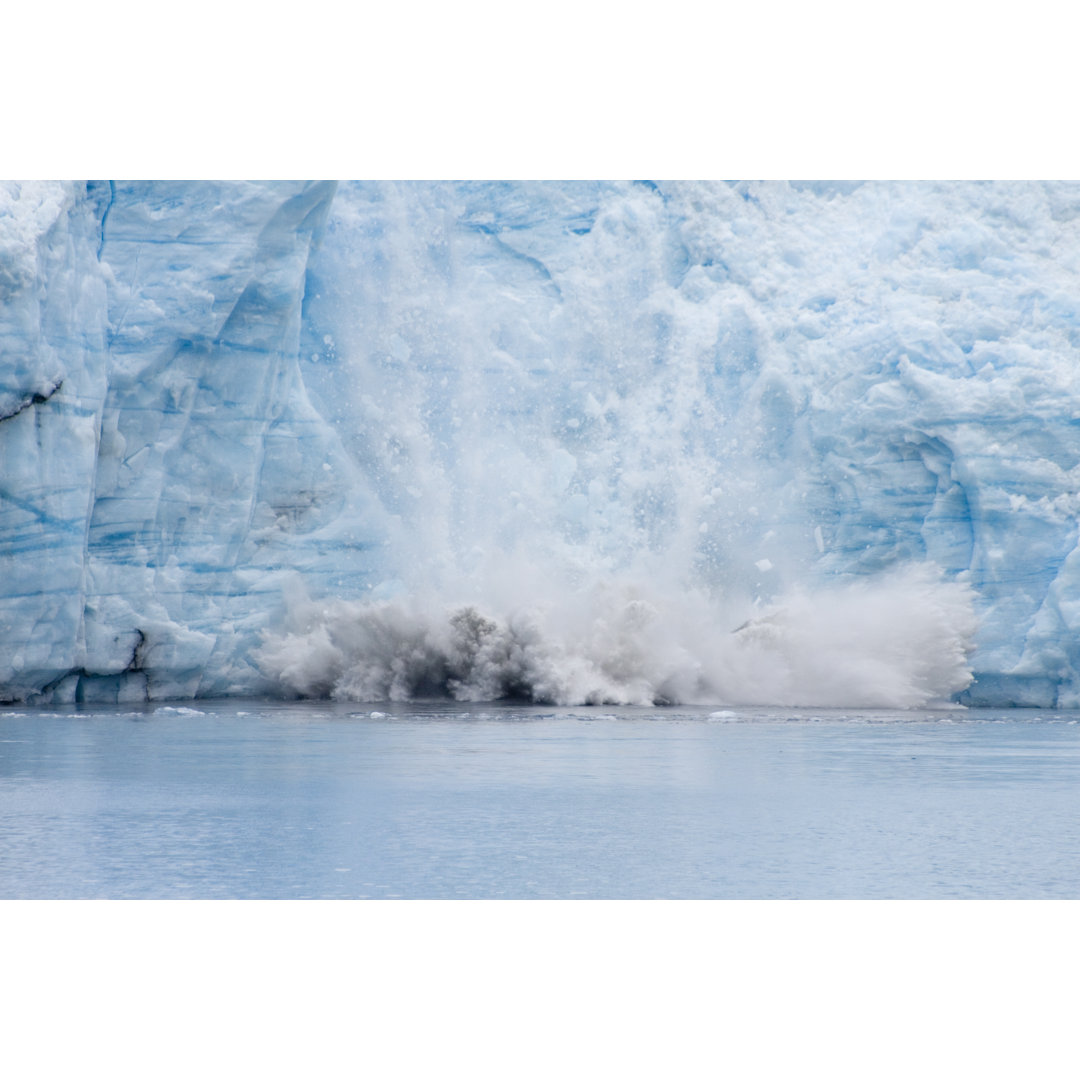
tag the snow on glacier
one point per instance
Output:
(583, 441)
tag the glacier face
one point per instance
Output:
(161, 462)
(255, 437)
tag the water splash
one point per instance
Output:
(901, 641)
(600, 449)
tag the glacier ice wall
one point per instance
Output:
(161, 463)
(266, 437)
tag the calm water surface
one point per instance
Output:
(258, 800)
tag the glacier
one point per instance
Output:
(627, 442)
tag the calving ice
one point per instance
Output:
(622, 443)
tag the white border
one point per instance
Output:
(577, 89)
(539, 989)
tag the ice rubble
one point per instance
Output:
(236, 414)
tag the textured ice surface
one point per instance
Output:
(240, 420)
(162, 466)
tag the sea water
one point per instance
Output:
(245, 799)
